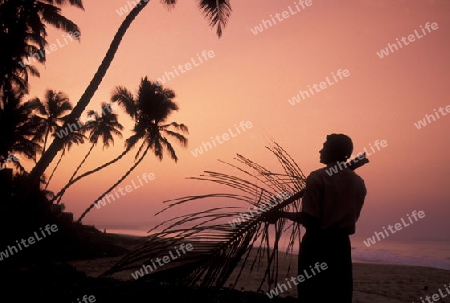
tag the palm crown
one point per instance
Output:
(151, 107)
(54, 110)
(22, 25)
(104, 126)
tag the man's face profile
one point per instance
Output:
(324, 153)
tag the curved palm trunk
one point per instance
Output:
(56, 167)
(63, 190)
(82, 162)
(57, 144)
(45, 140)
(113, 186)
(78, 168)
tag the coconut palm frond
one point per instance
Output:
(218, 248)
(217, 12)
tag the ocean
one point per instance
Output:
(404, 252)
(434, 254)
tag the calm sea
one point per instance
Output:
(417, 253)
(412, 252)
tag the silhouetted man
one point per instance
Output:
(331, 205)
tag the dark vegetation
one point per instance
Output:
(31, 143)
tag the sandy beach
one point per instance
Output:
(373, 283)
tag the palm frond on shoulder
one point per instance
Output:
(220, 248)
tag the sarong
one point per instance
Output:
(335, 284)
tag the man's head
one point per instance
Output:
(338, 147)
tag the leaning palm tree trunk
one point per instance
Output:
(87, 210)
(70, 183)
(76, 170)
(47, 132)
(57, 144)
(82, 162)
(54, 169)
(217, 247)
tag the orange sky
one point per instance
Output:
(251, 77)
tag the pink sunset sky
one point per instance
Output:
(250, 78)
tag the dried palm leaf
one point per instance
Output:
(218, 248)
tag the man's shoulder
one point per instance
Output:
(317, 174)
(314, 173)
(325, 173)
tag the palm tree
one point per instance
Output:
(23, 29)
(151, 107)
(216, 11)
(20, 127)
(125, 98)
(53, 110)
(103, 127)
